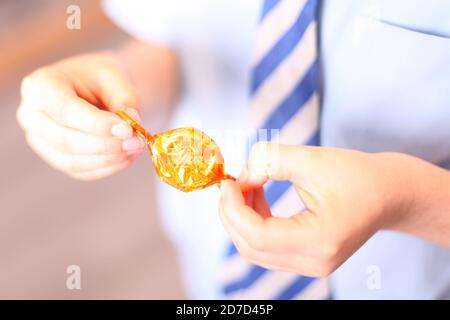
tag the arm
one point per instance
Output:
(153, 70)
(349, 196)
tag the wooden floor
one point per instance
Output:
(48, 221)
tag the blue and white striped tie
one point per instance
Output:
(284, 93)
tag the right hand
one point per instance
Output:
(67, 113)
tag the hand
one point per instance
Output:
(349, 195)
(67, 115)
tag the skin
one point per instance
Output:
(67, 109)
(67, 114)
(349, 195)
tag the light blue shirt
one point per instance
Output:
(386, 87)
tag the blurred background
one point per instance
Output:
(48, 221)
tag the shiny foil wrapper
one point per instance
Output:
(185, 158)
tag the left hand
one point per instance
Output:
(348, 195)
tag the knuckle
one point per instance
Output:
(111, 160)
(74, 165)
(35, 80)
(256, 241)
(260, 149)
(264, 157)
(329, 250)
(62, 114)
(327, 259)
(312, 267)
(323, 269)
(66, 145)
(101, 147)
(28, 83)
(108, 146)
(38, 89)
(244, 250)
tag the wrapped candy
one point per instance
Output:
(185, 158)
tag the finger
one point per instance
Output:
(48, 154)
(248, 197)
(263, 259)
(115, 90)
(70, 141)
(73, 112)
(286, 262)
(260, 203)
(254, 198)
(275, 162)
(74, 163)
(64, 106)
(102, 172)
(134, 113)
(125, 131)
(270, 234)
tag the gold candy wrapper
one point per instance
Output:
(185, 158)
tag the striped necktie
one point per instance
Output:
(284, 91)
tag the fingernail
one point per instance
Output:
(132, 145)
(134, 114)
(122, 131)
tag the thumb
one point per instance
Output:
(273, 161)
(116, 91)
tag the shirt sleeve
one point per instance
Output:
(147, 20)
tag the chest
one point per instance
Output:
(387, 76)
